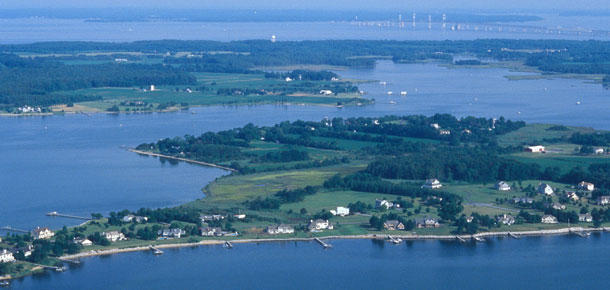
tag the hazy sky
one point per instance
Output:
(310, 4)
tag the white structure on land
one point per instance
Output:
(171, 233)
(139, 219)
(506, 219)
(546, 189)
(379, 203)
(549, 219)
(586, 186)
(114, 236)
(340, 211)
(585, 218)
(603, 200)
(432, 184)
(152, 88)
(502, 186)
(319, 224)
(326, 92)
(535, 149)
(280, 229)
(6, 257)
(42, 233)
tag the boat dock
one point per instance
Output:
(325, 245)
(228, 245)
(513, 235)
(10, 229)
(57, 269)
(56, 214)
(581, 234)
(75, 262)
(155, 250)
(394, 240)
(460, 239)
(478, 239)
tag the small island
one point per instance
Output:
(391, 178)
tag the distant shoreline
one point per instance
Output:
(561, 231)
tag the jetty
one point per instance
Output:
(181, 159)
(10, 229)
(324, 244)
(460, 239)
(56, 214)
(394, 240)
(228, 245)
(57, 269)
(478, 239)
(581, 234)
(513, 235)
(155, 250)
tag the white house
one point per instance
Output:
(152, 88)
(114, 236)
(603, 200)
(171, 233)
(326, 92)
(432, 184)
(435, 126)
(139, 219)
(444, 132)
(288, 79)
(239, 216)
(585, 218)
(319, 224)
(544, 188)
(280, 229)
(86, 243)
(340, 211)
(6, 257)
(549, 219)
(599, 150)
(209, 231)
(535, 149)
(213, 217)
(506, 219)
(502, 186)
(383, 203)
(42, 233)
(586, 186)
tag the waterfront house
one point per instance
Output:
(432, 183)
(393, 225)
(506, 219)
(213, 217)
(549, 219)
(546, 189)
(6, 257)
(379, 203)
(585, 218)
(171, 233)
(603, 200)
(426, 222)
(340, 211)
(138, 219)
(523, 200)
(502, 186)
(210, 231)
(586, 186)
(599, 150)
(535, 149)
(572, 195)
(114, 236)
(27, 250)
(319, 224)
(41, 233)
(86, 243)
(280, 229)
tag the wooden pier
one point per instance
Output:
(325, 245)
(56, 214)
(478, 239)
(581, 234)
(228, 245)
(460, 239)
(394, 240)
(513, 235)
(10, 229)
(155, 250)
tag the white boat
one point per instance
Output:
(390, 92)
(392, 102)
(403, 93)
(383, 83)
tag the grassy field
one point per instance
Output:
(533, 134)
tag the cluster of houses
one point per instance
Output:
(440, 131)
(131, 218)
(28, 109)
(207, 231)
(171, 233)
(279, 229)
(7, 256)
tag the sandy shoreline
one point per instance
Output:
(562, 231)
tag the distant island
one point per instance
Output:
(169, 75)
(391, 178)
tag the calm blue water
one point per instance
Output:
(27, 30)
(75, 164)
(560, 262)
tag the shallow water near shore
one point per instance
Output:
(549, 262)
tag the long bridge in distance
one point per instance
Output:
(56, 214)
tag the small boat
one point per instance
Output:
(5, 283)
(383, 83)
(578, 103)
(403, 93)
(339, 106)
(389, 92)
(61, 269)
(479, 239)
(158, 252)
(392, 102)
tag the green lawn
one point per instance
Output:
(533, 134)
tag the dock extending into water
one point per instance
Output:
(155, 250)
(228, 245)
(394, 240)
(10, 229)
(513, 235)
(460, 239)
(324, 244)
(56, 214)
